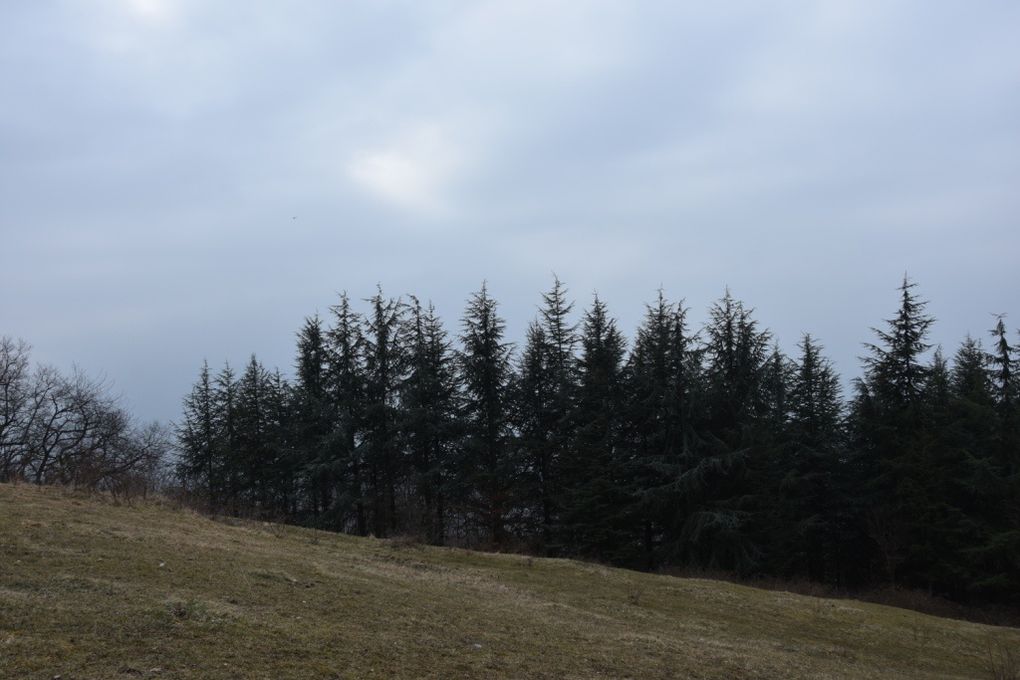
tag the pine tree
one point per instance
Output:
(534, 418)
(561, 364)
(970, 429)
(777, 374)
(254, 454)
(815, 401)
(685, 478)
(1001, 552)
(596, 490)
(971, 379)
(654, 434)
(198, 440)
(288, 461)
(890, 419)
(225, 402)
(314, 416)
(547, 384)
(894, 371)
(384, 368)
(804, 511)
(345, 502)
(1003, 369)
(708, 450)
(429, 406)
(312, 360)
(743, 397)
(736, 353)
(487, 484)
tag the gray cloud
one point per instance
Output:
(155, 154)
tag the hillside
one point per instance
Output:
(90, 589)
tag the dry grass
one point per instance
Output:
(89, 589)
(916, 600)
(1003, 662)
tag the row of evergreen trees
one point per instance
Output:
(707, 449)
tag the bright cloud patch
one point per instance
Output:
(414, 173)
(154, 11)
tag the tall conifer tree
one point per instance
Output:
(314, 415)
(200, 460)
(488, 473)
(805, 517)
(742, 398)
(254, 453)
(226, 402)
(346, 390)
(429, 403)
(890, 417)
(597, 495)
(384, 366)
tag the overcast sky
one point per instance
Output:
(182, 180)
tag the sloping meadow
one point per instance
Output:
(92, 589)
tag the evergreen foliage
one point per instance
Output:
(597, 496)
(430, 403)
(545, 393)
(707, 449)
(488, 473)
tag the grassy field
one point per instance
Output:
(90, 589)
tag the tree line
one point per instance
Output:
(70, 429)
(700, 448)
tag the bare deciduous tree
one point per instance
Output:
(56, 429)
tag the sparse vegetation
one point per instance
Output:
(94, 589)
(1003, 661)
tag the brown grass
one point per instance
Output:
(90, 589)
(905, 598)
